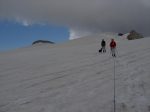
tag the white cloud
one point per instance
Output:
(76, 33)
(23, 21)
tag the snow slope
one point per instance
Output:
(74, 77)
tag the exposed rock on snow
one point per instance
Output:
(120, 34)
(42, 41)
(134, 35)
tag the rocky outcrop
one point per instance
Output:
(120, 34)
(134, 35)
(42, 41)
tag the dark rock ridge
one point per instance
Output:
(134, 35)
(42, 41)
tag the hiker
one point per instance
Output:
(113, 47)
(103, 44)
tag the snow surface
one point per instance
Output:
(74, 77)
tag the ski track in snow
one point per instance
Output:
(73, 77)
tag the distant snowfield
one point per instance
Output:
(74, 77)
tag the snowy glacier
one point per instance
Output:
(74, 77)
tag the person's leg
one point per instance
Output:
(114, 52)
(104, 49)
(111, 51)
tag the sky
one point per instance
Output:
(72, 18)
(15, 35)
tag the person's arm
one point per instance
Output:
(110, 44)
(115, 45)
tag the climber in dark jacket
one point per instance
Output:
(103, 45)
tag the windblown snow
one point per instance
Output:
(74, 77)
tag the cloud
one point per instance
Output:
(78, 32)
(23, 22)
(83, 17)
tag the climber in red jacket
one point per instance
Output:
(113, 47)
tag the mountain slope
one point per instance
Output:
(74, 77)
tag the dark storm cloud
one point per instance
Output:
(87, 15)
